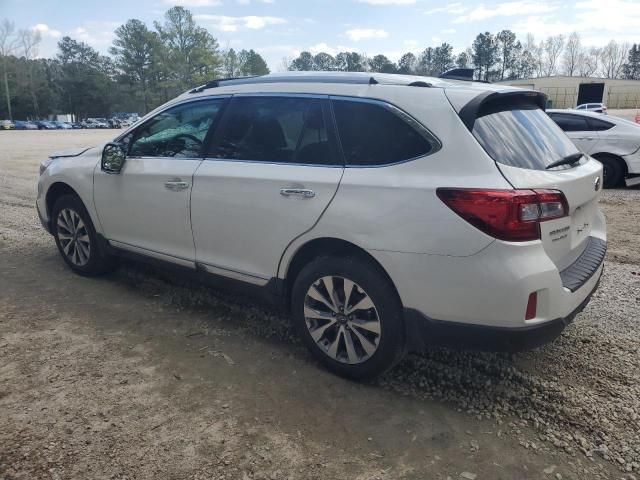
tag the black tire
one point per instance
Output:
(613, 171)
(370, 281)
(97, 261)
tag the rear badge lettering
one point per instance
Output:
(562, 232)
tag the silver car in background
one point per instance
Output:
(593, 107)
(613, 141)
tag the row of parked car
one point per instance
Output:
(57, 125)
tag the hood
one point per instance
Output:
(73, 152)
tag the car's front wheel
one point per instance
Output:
(349, 315)
(76, 237)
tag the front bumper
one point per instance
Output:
(422, 331)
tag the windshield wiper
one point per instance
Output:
(568, 160)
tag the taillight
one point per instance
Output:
(511, 215)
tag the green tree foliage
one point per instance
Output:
(380, 63)
(407, 64)
(304, 62)
(137, 52)
(509, 50)
(442, 59)
(324, 62)
(85, 79)
(191, 54)
(350, 62)
(484, 55)
(148, 66)
(463, 60)
(243, 63)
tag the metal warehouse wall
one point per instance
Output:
(563, 91)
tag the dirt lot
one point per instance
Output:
(142, 375)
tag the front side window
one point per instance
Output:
(274, 129)
(373, 134)
(177, 132)
(523, 137)
(570, 123)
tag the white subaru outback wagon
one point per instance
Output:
(386, 211)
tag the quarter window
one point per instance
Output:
(177, 132)
(570, 123)
(599, 125)
(373, 134)
(274, 129)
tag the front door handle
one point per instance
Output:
(176, 185)
(300, 192)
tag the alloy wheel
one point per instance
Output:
(73, 237)
(342, 319)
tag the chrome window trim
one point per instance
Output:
(282, 94)
(427, 134)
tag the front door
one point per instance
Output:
(270, 173)
(146, 207)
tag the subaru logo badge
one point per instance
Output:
(596, 184)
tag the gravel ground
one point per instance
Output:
(144, 374)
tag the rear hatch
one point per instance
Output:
(516, 132)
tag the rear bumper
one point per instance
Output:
(423, 331)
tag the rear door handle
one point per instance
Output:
(300, 192)
(176, 185)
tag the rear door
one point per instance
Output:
(578, 129)
(270, 173)
(524, 141)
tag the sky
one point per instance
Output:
(283, 28)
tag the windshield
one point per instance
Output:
(523, 137)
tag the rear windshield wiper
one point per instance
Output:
(568, 160)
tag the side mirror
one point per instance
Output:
(113, 157)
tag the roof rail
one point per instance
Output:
(310, 78)
(216, 83)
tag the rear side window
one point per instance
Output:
(274, 129)
(600, 125)
(378, 134)
(570, 123)
(523, 137)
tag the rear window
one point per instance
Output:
(373, 133)
(523, 137)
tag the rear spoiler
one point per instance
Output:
(490, 101)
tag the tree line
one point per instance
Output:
(494, 57)
(148, 65)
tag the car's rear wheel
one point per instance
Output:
(349, 316)
(612, 170)
(76, 237)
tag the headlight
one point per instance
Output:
(45, 164)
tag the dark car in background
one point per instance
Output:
(45, 125)
(61, 125)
